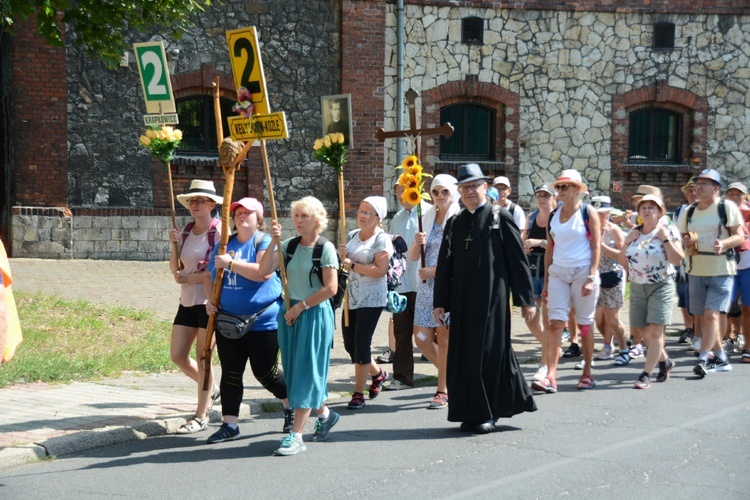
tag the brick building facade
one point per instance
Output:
(560, 80)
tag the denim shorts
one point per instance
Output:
(538, 287)
(709, 292)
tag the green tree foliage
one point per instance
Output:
(100, 25)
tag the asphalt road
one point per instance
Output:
(686, 438)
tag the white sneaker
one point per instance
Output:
(582, 364)
(290, 445)
(540, 374)
(604, 353)
(695, 346)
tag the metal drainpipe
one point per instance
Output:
(399, 75)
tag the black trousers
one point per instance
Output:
(262, 349)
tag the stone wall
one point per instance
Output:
(568, 67)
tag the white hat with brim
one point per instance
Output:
(602, 203)
(570, 177)
(199, 189)
(654, 199)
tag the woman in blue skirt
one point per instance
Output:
(306, 329)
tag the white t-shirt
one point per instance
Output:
(365, 291)
(519, 217)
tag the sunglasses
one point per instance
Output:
(198, 201)
(563, 187)
(444, 192)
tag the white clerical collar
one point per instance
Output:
(480, 206)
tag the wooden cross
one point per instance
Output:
(446, 130)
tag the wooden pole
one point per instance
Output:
(174, 221)
(342, 225)
(272, 201)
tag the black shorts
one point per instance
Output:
(193, 316)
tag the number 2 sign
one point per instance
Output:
(157, 89)
(247, 66)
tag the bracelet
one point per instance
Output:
(666, 241)
(351, 267)
(305, 305)
(591, 277)
(231, 266)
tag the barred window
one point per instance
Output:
(198, 124)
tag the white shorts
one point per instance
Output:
(564, 289)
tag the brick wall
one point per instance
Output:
(669, 177)
(363, 55)
(39, 94)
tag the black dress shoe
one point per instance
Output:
(484, 427)
(480, 428)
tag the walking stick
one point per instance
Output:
(174, 221)
(231, 154)
(342, 224)
(272, 201)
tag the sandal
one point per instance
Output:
(193, 425)
(623, 359)
(586, 382)
(439, 401)
(547, 384)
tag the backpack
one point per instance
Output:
(202, 264)
(397, 264)
(732, 253)
(317, 269)
(584, 214)
(532, 218)
(257, 240)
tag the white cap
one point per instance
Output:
(501, 180)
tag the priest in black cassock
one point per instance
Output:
(481, 261)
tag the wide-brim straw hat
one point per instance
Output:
(570, 176)
(690, 183)
(654, 199)
(645, 189)
(202, 189)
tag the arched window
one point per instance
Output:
(198, 124)
(655, 136)
(474, 138)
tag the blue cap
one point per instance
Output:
(711, 175)
(493, 194)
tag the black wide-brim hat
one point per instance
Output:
(470, 172)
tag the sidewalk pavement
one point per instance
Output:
(43, 420)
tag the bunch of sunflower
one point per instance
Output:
(412, 181)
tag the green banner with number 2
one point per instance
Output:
(157, 88)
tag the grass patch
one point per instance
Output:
(75, 340)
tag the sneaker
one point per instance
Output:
(745, 356)
(386, 357)
(377, 383)
(701, 368)
(547, 385)
(288, 420)
(395, 385)
(729, 346)
(290, 445)
(717, 365)
(643, 382)
(586, 382)
(665, 367)
(604, 353)
(357, 402)
(636, 351)
(225, 433)
(540, 374)
(323, 426)
(695, 345)
(623, 359)
(565, 334)
(573, 351)
(439, 401)
(687, 336)
(582, 364)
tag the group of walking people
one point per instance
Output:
(566, 267)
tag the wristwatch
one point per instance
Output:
(305, 305)
(544, 243)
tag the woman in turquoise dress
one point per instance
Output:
(306, 329)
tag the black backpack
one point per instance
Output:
(317, 269)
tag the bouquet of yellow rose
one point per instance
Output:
(331, 150)
(412, 181)
(162, 141)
